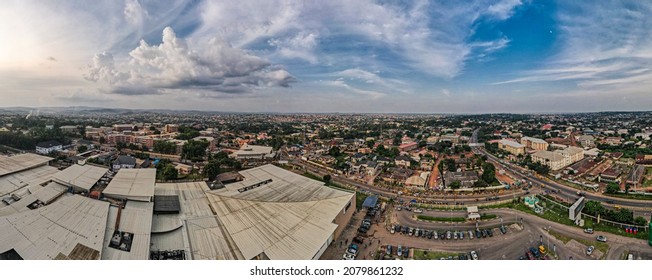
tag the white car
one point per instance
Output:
(393, 230)
(474, 255)
(418, 211)
(601, 238)
(348, 257)
(589, 250)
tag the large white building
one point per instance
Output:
(253, 152)
(560, 158)
(272, 214)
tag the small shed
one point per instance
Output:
(370, 202)
(472, 212)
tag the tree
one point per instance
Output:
(455, 185)
(640, 221)
(592, 207)
(194, 150)
(612, 188)
(371, 144)
(165, 147)
(102, 140)
(82, 148)
(480, 184)
(327, 178)
(212, 169)
(169, 172)
(489, 173)
(334, 151)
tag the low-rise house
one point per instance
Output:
(48, 147)
(402, 161)
(123, 162)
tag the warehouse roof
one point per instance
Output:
(252, 150)
(132, 184)
(511, 143)
(135, 218)
(70, 228)
(274, 213)
(534, 140)
(21, 162)
(16, 181)
(80, 176)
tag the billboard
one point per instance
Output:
(576, 209)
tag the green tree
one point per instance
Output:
(194, 150)
(480, 184)
(455, 185)
(165, 147)
(82, 148)
(612, 188)
(212, 169)
(327, 178)
(488, 173)
(169, 172)
(594, 208)
(102, 140)
(640, 221)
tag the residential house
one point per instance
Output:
(48, 147)
(124, 162)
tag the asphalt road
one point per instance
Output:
(450, 199)
(513, 244)
(566, 191)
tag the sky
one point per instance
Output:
(358, 56)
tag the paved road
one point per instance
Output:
(513, 244)
(448, 199)
(565, 191)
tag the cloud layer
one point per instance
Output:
(212, 65)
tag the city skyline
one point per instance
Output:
(260, 56)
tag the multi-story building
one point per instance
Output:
(511, 147)
(170, 128)
(48, 147)
(534, 143)
(560, 158)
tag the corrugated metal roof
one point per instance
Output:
(133, 184)
(290, 217)
(21, 162)
(22, 179)
(80, 176)
(55, 229)
(136, 218)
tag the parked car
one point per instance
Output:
(417, 232)
(448, 235)
(470, 234)
(417, 210)
(399, 250)
(398, 228)
(358, 240)
(406, 252)
(474, 255)
(589, 250)
(588, 230)
(389, 249)
(503, 229)
(477, 233)
(455, 235)
(490, 232)
(484, 233)
(435, 234)
(392, 230)
(399, 208)
(461, 235)
(411, 232)
(348, 257)
(602, 238)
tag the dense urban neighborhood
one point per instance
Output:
(92, 183)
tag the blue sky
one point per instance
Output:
(329, 56)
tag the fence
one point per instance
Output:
(594, 218)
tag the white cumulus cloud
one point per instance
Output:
(211, 65)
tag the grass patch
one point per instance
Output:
(630, 196)
(603, 247)
(619, 231)
(359, 199)
(487, 216)
(548, 214)
(441, 219)
(433, 255)
(495, 206)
